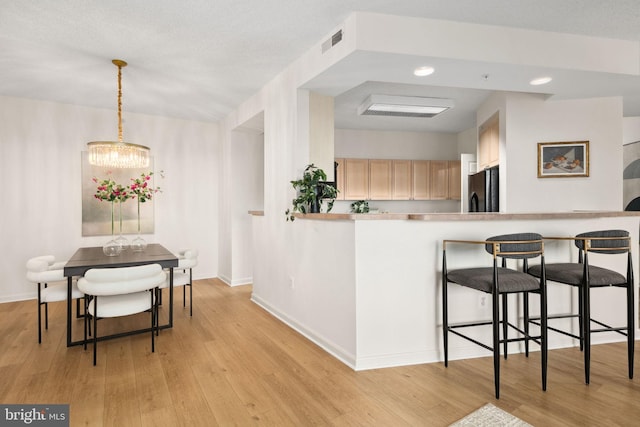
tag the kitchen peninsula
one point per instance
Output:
(366, 287)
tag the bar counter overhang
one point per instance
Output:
(367, 287)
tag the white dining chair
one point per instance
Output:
(52, 286)
(115, 292)
(183, 275)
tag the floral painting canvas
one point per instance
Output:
(120, 191)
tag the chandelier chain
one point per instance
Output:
(120, 139)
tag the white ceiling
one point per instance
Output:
(199, 59)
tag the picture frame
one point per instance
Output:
(563, 159)
(96, 214)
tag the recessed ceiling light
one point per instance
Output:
(423, 71)
(540, 81)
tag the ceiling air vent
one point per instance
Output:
(404, 106)
(334, 40)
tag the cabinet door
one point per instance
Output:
(340, 178)
(401, 180)
(489, 144)
(454, 171)
(439, 174)
(356, 179)
(421, 176)
(380, 179)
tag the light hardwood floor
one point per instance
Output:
(234, 364)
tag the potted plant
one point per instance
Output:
(312, 189)
(360, 206)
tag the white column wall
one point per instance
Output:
(247, 193)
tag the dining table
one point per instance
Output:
(87, 258)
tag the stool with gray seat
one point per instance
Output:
(585, 277)
(498, 281)
(44, 270)
(115, 292)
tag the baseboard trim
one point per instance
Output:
(236, 282)
(331, 348)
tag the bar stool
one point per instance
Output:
(499, 281)
(585, 277)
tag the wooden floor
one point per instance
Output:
(234, 364)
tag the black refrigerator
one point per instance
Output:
(484, 191)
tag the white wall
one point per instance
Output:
(40, 168)
(280, 248)
(529, 120)
(286, 153)
(468, 141)
(630, 129)
(247, 193)
(371, 144)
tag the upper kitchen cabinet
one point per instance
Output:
(356, 179)
(384, 179)
(454, 169)
(489, 143)
(380, 179)
(439, 179)
(402, 180)
(421, 180)
(445, 179)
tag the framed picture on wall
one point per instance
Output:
(563, 159)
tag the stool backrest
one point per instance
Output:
(516, 246)
(604, 241)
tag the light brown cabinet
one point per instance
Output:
(402, 180)
(489, 143)
(380, 179)
(455, 170)
(421, 180)
(439, 179)
(356, 179)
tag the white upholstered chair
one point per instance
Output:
(183, 275)
(116, 292)
(45, 271)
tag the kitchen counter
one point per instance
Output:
(473, 216)
(367, 287)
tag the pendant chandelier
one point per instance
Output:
(118, 154)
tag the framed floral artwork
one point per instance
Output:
(563, 159)
(117, 201)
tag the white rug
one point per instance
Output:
(490, 416)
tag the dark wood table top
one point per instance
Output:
(93, 257)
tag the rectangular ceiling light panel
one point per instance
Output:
(404, 106)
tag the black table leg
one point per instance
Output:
(69, 286)
(171, 297)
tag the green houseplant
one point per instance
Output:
(360, 206)
(312, 189)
